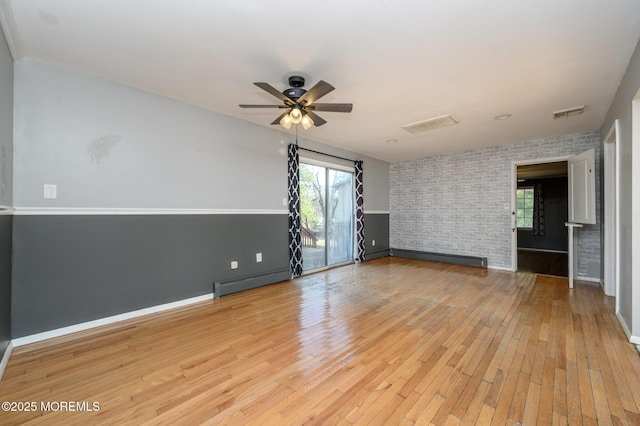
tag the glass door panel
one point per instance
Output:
(313, 190)
(340, 217)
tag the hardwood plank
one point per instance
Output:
(426, 415)
(519, 397)
(474, 408)
(545, 414)
(486, 415)
(506, 395)
(532, 406)
(602, 407)
(398, 416)
(587, 403)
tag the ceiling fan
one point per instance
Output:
(300, 104)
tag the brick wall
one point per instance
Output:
(455, 203)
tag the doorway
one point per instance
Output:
(326, 216)
(541, 207)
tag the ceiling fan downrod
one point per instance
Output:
(295, 91)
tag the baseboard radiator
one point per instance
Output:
(370, 255)
(441, 257)
(235, 285)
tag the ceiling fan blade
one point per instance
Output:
(317, 120)
(320, 89)
(277, 120)
(262, 106)
(273, 91)
(331, 107)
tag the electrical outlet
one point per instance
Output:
(455, 246)
(258, 257)
(234, 264)
(373, 243)
(50, 191)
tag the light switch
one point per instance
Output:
(373, 242)
(50, 191)
(234, 264)
(258, 257)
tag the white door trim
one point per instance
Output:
(514, 186)
(611, 253)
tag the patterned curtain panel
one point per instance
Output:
(295, 244)
(359, 212)
(538, 210)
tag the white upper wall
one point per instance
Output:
(6, 123)
(106, 145)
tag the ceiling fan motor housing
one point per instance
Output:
(294, 92)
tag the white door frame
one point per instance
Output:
(611, 255)
(514, 186)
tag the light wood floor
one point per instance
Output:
(392, 341)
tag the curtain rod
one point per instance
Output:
(328, 155)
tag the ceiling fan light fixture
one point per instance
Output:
(286, 122)
(307, 122)
(296, 115)
(300, 103)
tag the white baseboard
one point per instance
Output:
(632, 339)
(622, 322)
(501, 268)
(5, 359)
(21, 341)
(542, 250)
(588, 279)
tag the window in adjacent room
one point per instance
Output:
(524, 207)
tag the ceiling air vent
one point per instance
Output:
(566, 113)
(430, 124)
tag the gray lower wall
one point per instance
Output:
(461, 203)
(5, 281)
(72, 269)
(376, 227)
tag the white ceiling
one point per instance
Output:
(397, 61)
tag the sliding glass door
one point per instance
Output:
(326, 213)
